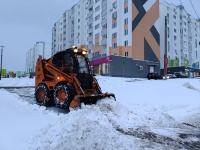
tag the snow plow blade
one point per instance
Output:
(88, 100)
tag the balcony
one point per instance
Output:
(90, 30)
(104, 2)
(104, 12)
(90, 38)
(90, 13)
(104, 21)
(90, 46)
(90, 22)
(90, 5)
(104, 31)
(104, 41)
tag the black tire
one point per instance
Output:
(63, 95)
(42, 95)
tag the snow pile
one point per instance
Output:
(93, 127)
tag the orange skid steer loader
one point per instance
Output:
(66, 80)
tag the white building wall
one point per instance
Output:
(33, 54)
(66, 29)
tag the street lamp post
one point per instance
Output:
(1, 60)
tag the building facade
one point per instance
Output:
(125, 28)
(38, 51)
(179, 37)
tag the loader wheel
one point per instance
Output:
(42, 95)
(63, 95)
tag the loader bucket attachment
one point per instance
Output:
(88, 100)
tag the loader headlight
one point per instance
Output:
(75, 50)
(74, 47)
(58, 78)
(84, 52)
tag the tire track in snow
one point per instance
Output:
(142, 133)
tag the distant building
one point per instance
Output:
(38, 51)
(179, 37)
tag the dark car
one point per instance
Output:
(180, 75)
(171, 76)
(154, 76)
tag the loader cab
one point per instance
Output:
(69, 61)
(64, 61)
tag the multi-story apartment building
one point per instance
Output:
(122, 28)
(179, 38)
(38, 51)
(69, 30)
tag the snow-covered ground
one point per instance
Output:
(148, 114)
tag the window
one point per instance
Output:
(175, 23)
(168, 32)
(174, 38)
(114, 15)
(114, 35)
(126, 32)
(90, 25)
(97, 8)
(97, 44)
(97, 17)
(114, 4)
(114, 45)
(125, 10)
(126, 43)
(97, 26)
(167, 18)
(104, 7)
(196, 54)
(126, 21)
(195, 43)
(126, 54)
(168, 46)
(175, 30)
(97, 35)
(125, 1)
(96, 1)
(79, 20)
(114, 25)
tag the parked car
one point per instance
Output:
(154, 75)
(171, 76)
(180, 75)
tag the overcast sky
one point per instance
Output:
(25, 22)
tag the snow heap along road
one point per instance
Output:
(148, 114)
